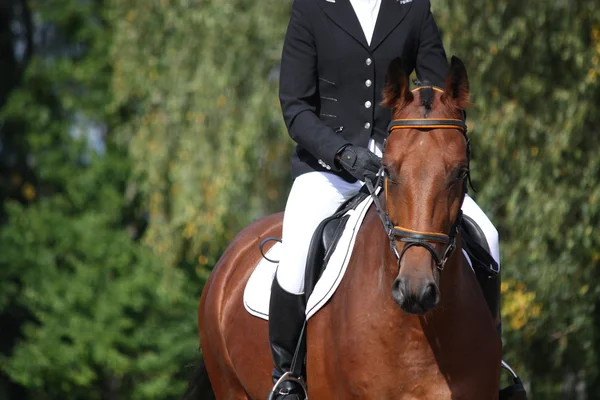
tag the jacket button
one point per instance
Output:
(368, 83)
(367, 104)
(368, 61)
(367, 125)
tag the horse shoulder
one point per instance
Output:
(221, 303)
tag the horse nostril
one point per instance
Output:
(397, 291)
(401, 284)
(396, 286)
(430, 295)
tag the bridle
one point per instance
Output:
(410, 237)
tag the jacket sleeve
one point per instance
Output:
(298, 89)
(431, 64)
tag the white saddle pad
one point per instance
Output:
(258, 288)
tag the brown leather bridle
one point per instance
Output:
(411, 237)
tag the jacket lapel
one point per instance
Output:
(391, 13)
(343, 15)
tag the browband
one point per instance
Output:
(425, 123)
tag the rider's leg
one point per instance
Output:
(491, 288)
(314, 196)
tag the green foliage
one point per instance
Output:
(207, 140)
(98, 311)
(98, 319)
(534, 71)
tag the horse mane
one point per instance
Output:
(426, 90)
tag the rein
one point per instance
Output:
(410, 237)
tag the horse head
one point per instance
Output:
(426, 169)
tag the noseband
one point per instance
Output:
(410, 237)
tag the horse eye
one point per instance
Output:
(461, 174)
(458, 175)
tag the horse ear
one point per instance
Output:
(396, 92)
(456, 93)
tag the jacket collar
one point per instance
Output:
(391, 13)
(343, 15)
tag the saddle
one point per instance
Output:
(325, 239)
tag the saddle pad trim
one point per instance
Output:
(324, 289)
(257, 301)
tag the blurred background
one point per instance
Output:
(137, 137)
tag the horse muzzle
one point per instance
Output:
(415, 298)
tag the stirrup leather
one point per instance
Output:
(287, 377)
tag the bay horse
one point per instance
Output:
(408, 320)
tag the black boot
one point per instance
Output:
(286, 318)
(491, 291)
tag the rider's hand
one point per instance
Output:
(359, 162)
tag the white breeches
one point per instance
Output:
(317, 195)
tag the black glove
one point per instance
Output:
(359, 162)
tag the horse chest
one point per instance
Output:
(379, 356)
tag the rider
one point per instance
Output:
(333, 66)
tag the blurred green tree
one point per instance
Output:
(84, 307)
(535, 79)
(207, 140)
